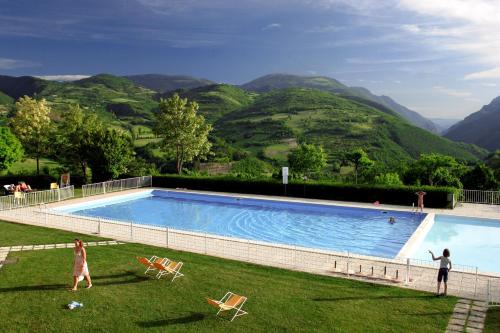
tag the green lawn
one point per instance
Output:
(28, 166)
(33, 297)
(20, 234)
(492, 324)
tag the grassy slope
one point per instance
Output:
(332, 121)
(124, 300)
(492, 324)
(20, 234)
(116, 100)
(215, 101)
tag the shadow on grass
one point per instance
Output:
(47, 287)
(362, 298)
(193, 317)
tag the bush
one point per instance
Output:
(437, 197)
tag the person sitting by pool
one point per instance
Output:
(25, 187)
(443, 269)
(392, 220)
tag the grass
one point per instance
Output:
(20, 234)
(33, 297)
(28, 166)
(492, 324)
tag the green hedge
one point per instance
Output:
(437, 197)
(41, 182)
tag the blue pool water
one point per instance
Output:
(471, 241)
(362, 231)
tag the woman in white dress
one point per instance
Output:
(80, 268)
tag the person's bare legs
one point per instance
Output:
(75, 283)
(89, 281)
(439, 287)
(445, 288)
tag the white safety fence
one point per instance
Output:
(116, 185)
(465, 281)
(479, 197)
(21, 199)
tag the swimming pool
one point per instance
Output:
(472, 241)
(358, 230)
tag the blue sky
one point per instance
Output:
(440, 58)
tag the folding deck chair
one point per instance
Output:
(229, 302)
(172, 267)
(148, 263)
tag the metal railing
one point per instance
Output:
(479, 197)
(22, 199)
(116, 185)
(465, 281)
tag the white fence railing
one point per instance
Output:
(116, 185)
(479, 197)
(465, 281)
(21, 199)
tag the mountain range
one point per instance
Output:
(266, 117)
(481, 128)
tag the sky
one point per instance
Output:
(440, 58)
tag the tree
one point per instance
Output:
(390, 178)
(11, 149)
(250, 167)
(32, 125)
(185, 134)
(306, 159)
(78, 131)
(359, 159)
(436, 169)
(480, 177)
(111, 154)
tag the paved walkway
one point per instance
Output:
(468, 317)
(4, 251)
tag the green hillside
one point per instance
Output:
(276, 120)
(217, 100)
(266, 124)
(164, 83)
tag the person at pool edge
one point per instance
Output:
(420, 202)
(443, 269)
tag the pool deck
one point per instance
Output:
(417, 275)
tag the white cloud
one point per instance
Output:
(6, 63)
(325, 29)
(453, 92)
(271, 26)
(64, 78)
(366, 61)
(493, 73)
(489, 84)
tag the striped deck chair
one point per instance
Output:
(148, 263)
(230, 301)
(172, 267)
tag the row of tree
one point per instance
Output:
(80, 141)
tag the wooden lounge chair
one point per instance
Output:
(230, 301)
(54, 186)
(148, 263)
(172, 267)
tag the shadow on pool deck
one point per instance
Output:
(193, 317)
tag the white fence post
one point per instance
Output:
(407, 279)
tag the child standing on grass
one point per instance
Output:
(443, 269)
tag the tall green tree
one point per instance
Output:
(32, 125)
(480, 177)
(359, 160)
(11, 149)
(76, 141)
(307, 159)
(111, 154)
(184, 132)
(435, 169)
